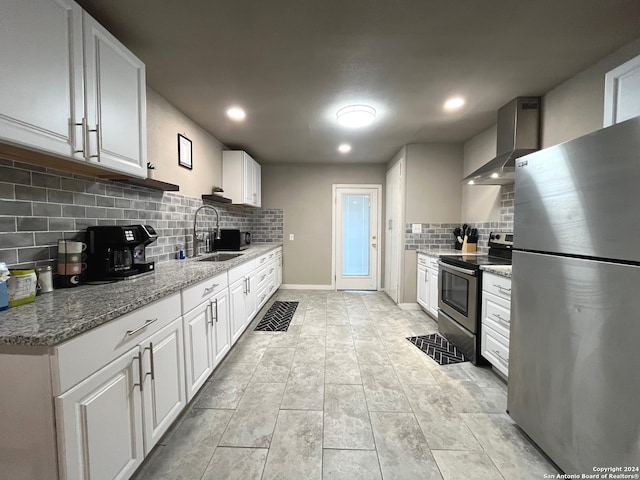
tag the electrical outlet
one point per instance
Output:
(292, 236)
(416, 228)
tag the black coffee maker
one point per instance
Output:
(117, 252)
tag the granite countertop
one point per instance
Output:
(502, 270)
(64, 313)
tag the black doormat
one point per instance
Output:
(438, 348)
(278, 317)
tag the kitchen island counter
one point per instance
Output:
(65, 313)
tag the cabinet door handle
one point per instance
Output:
(141, 327)
(213, 303)
(82, 124)
(211, 288)
(97, 132)
(500, 287)
(497, 354)
(426, 276)
(140, 374)
(499, 317)
(153, 370)
(248, 284)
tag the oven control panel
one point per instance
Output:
(501, 239)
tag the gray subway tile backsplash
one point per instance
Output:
(38, 206)
(440, 235)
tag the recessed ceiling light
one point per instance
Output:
(454, 103)
(471, 182)
(236, 113)
(494, 175)
(356, 116)
(344, 148)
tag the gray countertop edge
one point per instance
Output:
(500, 270)
(65, 313)
(448, 251)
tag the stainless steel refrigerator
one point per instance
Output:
(574, 361)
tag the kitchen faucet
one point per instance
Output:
(196, 239)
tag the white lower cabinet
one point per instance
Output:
(163, 381)
(100, 423)
(109, 421)
(206, 327)
(238, 308)
(422, 282)
(118, 387)
(427, 284)
(496, 321)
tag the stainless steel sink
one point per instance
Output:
(220, 257)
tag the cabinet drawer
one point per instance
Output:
(497, 311)
(79, 357)
(241, 271)
(261, 261)
(196, 294)
(495, 349)
(500, 286)
(423, 260)
(433, 263)
(261, 278)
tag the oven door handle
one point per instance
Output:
(457, 269)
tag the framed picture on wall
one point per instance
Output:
(185, 158)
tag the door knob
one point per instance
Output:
(374, 245)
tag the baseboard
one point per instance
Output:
(409, 306)
(292, 286)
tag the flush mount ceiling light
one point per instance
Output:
(356, 116)
(454, 103)
(471, 182)
(236, 114)
(494, 175)
(344, 148)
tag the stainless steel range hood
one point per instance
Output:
(518, 135)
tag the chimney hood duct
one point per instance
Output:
(518, 135)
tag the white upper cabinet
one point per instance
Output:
(622, 93)
(115, 93)
(69, 88)
(241, 178)
(41, 95)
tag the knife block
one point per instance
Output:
(468, 247)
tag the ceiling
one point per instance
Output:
(292, 64)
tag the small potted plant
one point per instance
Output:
(216, 190)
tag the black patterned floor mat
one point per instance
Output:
(278, 317)
(438, 348)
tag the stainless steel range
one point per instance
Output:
(460, 291)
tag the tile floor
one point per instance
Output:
(343, 395)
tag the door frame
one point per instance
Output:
(334, 217)
(396, 237)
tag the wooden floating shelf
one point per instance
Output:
(151, 183)
(216, 199)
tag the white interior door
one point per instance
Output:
(393, 230)
(356, 237)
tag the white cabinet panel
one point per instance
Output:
(496, 321)
(433, 291)
(221, 322)
(115, 91)
(422, 284)
(622, 93)
(100, 423)
(241, 178)
(41, 58)
(198, 344)
(237, 308)
(163, 384)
